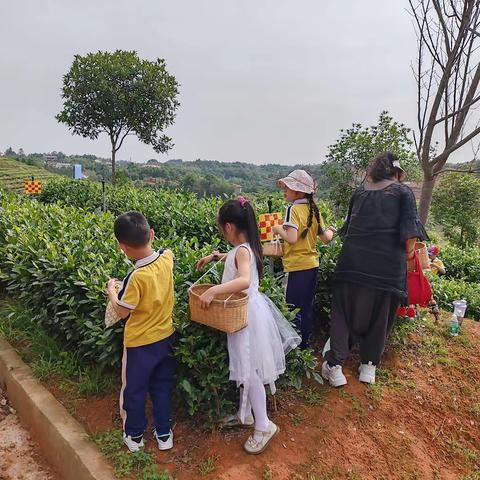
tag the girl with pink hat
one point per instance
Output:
(301, 226)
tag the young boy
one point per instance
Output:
(146, 299)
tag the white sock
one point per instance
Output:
(248, 406)
(258, 401)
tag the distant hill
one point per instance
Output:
(13, 174)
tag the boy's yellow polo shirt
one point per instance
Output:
(303, 254)
(148, 292)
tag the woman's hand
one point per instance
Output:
(411, 264)
(207, 297)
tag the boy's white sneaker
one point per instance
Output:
(134, 444)
(334, 375)
(367, 372)
(165, 442)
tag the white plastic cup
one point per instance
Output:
(460, 306)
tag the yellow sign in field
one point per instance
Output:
(33, 187)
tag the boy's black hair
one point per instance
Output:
(132, 229)
(242, 215)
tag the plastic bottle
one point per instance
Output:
(454, 326)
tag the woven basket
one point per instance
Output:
(422, 252)
(111, 317)
(273, 249)
(227, 313)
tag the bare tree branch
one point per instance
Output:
(448, 88)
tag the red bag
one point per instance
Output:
(419, 288)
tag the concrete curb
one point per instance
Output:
(62, 439)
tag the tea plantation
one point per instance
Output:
(57, 253)
(13, 174)
(56, 259)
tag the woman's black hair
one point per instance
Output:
(313, 211)
(381, 167)
(242, 215)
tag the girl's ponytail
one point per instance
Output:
(241, 214)
(313, 210)
(253, 236)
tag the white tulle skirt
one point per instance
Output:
(262, 345)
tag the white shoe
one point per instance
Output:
(367, 372)
(165, 442)
(133, 444)
(254, 447)
(334, 375)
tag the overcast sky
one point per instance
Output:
(261, 80)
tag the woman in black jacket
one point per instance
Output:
(370, 280)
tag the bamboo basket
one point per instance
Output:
(422, 252)
(111, 317)
(273, 249)
(227, 313)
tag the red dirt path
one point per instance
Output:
(425, 425)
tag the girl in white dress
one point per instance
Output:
(257, 352)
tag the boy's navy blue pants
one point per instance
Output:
(301, 287)
(149, 369)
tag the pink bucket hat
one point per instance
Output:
(298, 180)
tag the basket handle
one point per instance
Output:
(206, 273)
(226, 300)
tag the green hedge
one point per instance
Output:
(461, 264)
(171, 214)
(57, 259)
(446, 290)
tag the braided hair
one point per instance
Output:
(313, 210)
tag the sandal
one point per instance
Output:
(233, 421)
(254, 447)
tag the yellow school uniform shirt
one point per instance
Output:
(148, 292)
(436, 265)
(303, 254)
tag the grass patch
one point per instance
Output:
(375, 391)
(475, 410)
(207, 466)
(472, 476)
(47, 358)
(401, 333)
(464, 451)
(125, 463)
(297, 418)
(267, 473)
(358, 412)
(383, 380)
(313, 396)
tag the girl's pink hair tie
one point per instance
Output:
(243, 201)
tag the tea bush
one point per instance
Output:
(446, 290)
(461, 264)
(170, 213)
(57, 259)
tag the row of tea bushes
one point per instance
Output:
(57, 259)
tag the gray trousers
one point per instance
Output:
(363, 315)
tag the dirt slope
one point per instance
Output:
(421, 421)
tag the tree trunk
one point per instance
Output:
(426, 198)
(113, 163)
